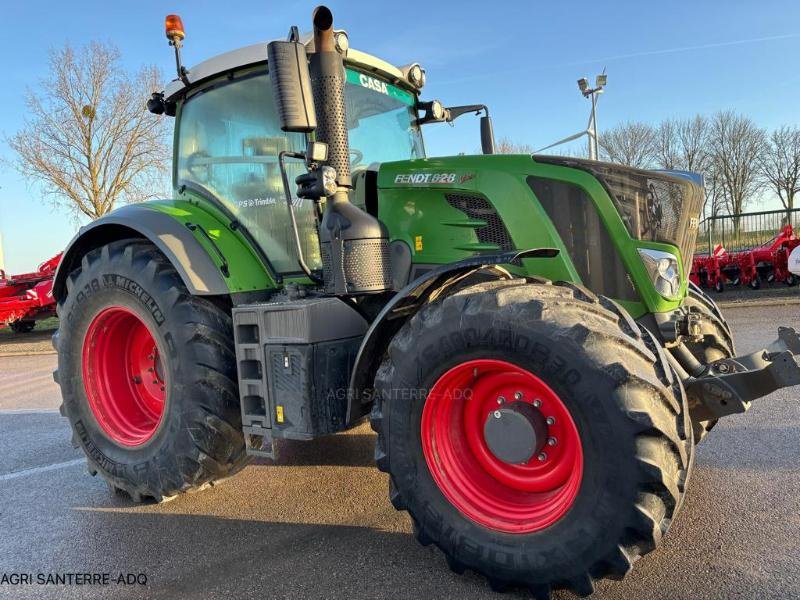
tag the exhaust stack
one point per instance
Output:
(354, 244)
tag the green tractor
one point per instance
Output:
(519, 330)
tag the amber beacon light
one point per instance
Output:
(174, 28)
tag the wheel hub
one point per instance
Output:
(124, 376)
(502, 446)
(515, 432)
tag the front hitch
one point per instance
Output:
(728, 386)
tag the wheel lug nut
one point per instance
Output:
(163, 388)
(497, 414)
(150, 370)
(501, 400)
(517, 395)
(552, 441)
(551, 420)
(542, 456)
(537, 403)
(155, 381)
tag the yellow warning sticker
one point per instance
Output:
(279, 413)
(418, 243)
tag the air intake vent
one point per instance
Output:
(480, 209)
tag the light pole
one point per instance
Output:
(591, 129)
(593, 93)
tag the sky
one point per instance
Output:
(521, 58)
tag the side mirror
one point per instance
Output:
(487, 135)
(291, 86)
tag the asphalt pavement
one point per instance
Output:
(318, 523)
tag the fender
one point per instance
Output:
(202, 274)
(403, 305)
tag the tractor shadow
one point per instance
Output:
(344, 450)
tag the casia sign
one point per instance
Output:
(794, 261)
(373, 84)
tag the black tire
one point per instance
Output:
(719, 287)
(22, 326)
(755, 283)
(791, 280)
(627, 404)
(199, 439)
(717, 344)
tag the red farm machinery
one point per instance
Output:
(748, 250)
(27, 298)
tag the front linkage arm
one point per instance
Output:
(728, 386)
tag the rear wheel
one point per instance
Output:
(147, 373)
(534, 433)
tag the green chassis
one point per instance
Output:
(435, 232)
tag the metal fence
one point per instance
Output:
(744, 230)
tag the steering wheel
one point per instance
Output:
(356, 156)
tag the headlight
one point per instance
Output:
(416, 75)
(329, 181)
(437, 110)
(342, 41)
(664, 272)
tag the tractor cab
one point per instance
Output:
(228, 136)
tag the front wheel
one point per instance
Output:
(534, 433)
(147, 374)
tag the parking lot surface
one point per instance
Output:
(318, 524)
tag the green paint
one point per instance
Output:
(247, 273)
(413, 206)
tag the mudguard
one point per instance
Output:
(199, 272)
(408, 301)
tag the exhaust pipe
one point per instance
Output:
(327, 82)
(354, 244)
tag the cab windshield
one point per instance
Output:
(229, 138)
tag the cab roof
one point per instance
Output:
(255, 54)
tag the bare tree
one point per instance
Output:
(506, 146)
(735, 144)
(780, 164)
(632, 143)
(88, 138)
(666, 145)
(683, 144)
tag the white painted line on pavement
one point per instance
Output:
(44, 469)
(28, 411)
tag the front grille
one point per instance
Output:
(585, 238)
(479, 208)
(655, 206)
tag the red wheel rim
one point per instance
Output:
(123, 376)
(513, 498)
